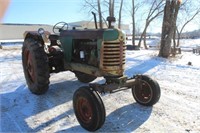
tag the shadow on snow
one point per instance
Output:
(26, 112)
(125, 119)
(21, 105)
(142, 66)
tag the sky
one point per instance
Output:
(44, 11)
(53, 11)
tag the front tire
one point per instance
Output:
(35, 65)
(89, 108)
(146, 91)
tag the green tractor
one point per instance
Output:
(88, 53)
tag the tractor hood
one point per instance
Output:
(104, 34)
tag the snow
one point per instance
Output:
(177, 110)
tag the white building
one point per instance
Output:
(16, 31)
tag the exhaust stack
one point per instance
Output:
(95, 20)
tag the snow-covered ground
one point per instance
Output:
(177, 111)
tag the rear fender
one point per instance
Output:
(36, 36)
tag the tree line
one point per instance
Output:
(175, 15)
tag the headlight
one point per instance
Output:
(41, 31)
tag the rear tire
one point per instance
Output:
(89, 108)
(147, 91)
(83, 77)
(35, 65)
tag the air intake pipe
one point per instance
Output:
(111, 22)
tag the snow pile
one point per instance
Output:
(177, 111)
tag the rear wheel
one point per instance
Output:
(35, 65)
(89, 108)
(146, 91)
(85, 78)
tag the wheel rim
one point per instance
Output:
(85, 110)
(29, 65)
(143, 92)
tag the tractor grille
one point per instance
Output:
(113, 56)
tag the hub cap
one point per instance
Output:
(29, 65)
(143, 92)
(85, 110)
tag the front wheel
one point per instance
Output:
(146, 91)
(89, 108)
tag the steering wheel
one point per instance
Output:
(60, 26)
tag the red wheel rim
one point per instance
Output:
(29, 65)
(143, 92)
(84, 110)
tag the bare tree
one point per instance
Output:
(135, 6)
(133, 10)
(188, 14)
(95, 5)
(90, 5)
(120, 14)
(168, 26)
(111, 8)
(156, 9)
(100, 14)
